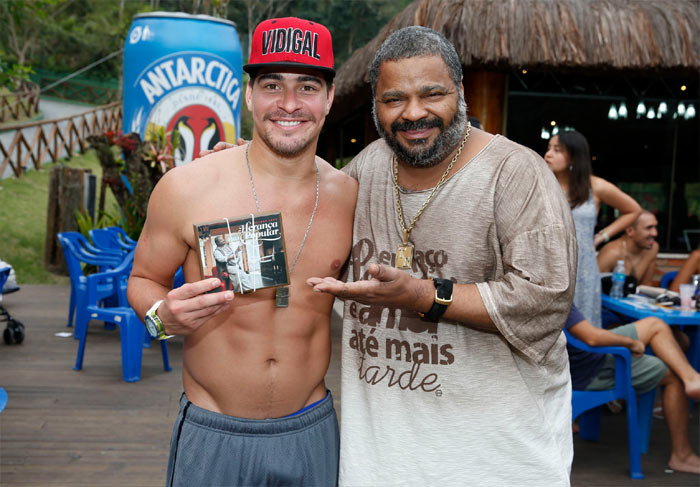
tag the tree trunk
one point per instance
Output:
(65, 197)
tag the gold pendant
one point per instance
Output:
(404, 256)
(282, 297)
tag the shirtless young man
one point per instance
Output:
(248, 365)
(637, 247)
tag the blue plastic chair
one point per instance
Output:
(76, 252)
(586, 405)
(132, 331)
(3, 399)
(79, 240)
(668, 278)
(108, 239)
(123, 238)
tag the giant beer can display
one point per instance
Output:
(183, 73)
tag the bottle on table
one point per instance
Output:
(695, 281)
(618, 280)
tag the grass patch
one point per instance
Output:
(23, 210)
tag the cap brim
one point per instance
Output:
(253, 68)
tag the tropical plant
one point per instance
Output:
(160, 149)
(86, 222)
(131, 168)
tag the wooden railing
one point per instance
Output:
(53, 139)
(18, 104)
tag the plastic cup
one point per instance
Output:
(687, 291)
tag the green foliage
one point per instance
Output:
(87, 223)
(66, 35)
(352, 23)
(21, 21)
(13, 75)
(85, 31)
(132, 220)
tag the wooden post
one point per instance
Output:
(65, 196)
(103, 195)
(485, 95)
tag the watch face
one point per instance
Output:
(151, 327)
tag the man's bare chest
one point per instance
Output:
(636, 265)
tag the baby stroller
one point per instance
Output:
(14, 333)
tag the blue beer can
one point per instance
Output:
(183, 73)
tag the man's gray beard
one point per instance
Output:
(445, 143)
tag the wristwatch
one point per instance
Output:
(154, 325)
(443, 298)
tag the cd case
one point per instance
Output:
(247, 252)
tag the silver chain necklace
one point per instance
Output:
(282, 292)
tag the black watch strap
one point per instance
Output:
(443, 298)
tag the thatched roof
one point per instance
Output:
(602, 34)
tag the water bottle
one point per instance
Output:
(618, 280)
(695, 279)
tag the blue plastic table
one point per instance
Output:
(637, 307)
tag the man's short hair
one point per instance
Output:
(635, 223)
(416, 41)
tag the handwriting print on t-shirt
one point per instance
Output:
(395, 347)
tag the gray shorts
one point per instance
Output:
(213, 449)
(647, 370)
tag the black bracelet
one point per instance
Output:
(443, 298)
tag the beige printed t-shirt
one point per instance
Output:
(426, 403)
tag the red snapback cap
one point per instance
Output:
(291, 41)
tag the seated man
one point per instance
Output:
(637, 247)
(670, 368)
(690, 266)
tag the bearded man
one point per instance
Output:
(454, 364)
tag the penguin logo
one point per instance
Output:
(199, 129)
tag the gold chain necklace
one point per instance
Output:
(404, 253)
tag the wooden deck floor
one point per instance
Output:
(88, 428)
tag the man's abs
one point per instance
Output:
(258, 362)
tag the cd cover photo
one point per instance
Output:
(247, 252)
